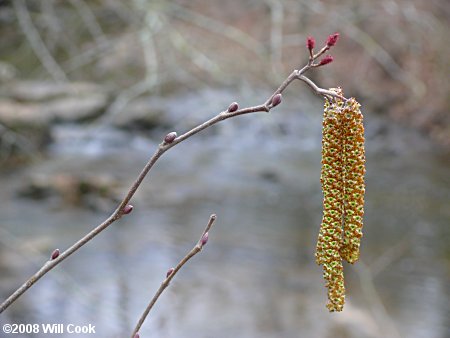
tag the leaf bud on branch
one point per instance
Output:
(170, 137)
(276, 100)
(128, 209)
(55, 254)
(169, 272)
(204, 239)
(233, 107)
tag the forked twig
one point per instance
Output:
(173, 271)
(170, 141)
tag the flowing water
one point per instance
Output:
(256, 277)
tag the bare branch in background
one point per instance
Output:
(381, 315)
(151, 77)
(88, 56)
(152, 25)
(173, 271)
(89, 20)
(276, 34)
(35, 40)
(217, 27)
(11, 139)
(198, 58)
(385, 60)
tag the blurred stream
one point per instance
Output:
(257, 276)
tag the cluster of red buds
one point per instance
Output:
(330, 42)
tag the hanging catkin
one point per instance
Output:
(354, 188)
(342, 179)
(330, 235)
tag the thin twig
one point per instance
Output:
(319, 91)
(162, 148)
(173, 271)
(89, 20)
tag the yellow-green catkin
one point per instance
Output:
(342, 178)
(332, 178)
(354, 187)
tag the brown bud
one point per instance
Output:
(276, 100)
(170, 137)
(233, 107)
(332, 39)
(169, 272)
(127, 209)
(55, 254)
(204, 239)
(136, 335)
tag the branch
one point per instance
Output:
(173, 271)
(170, 141)
(317, 90)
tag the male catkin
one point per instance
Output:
(354, 187)
(342, 178)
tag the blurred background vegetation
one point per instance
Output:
(393, 55)
(89, 88)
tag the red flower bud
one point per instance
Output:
(233, 107)
(55, 254)
(127, 209)
(326, 60)
(332, 39)
(170, 137)
(204, 239)
(310, 43)
(276, 100)
(137, 335)
(169, 272)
